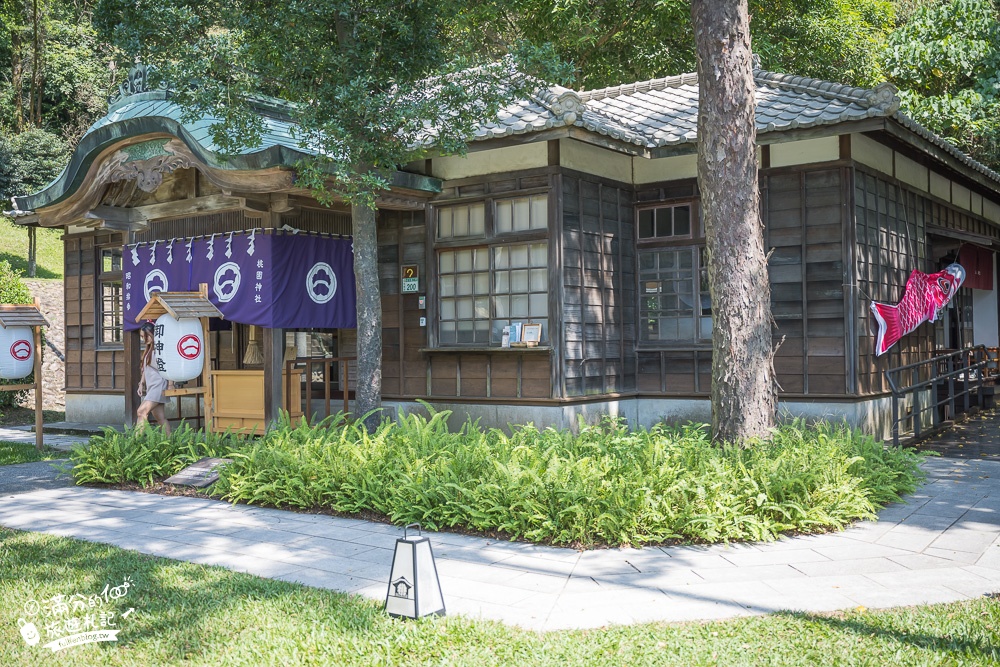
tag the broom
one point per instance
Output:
(253, 356)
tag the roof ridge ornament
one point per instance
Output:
(137, 82)
(565, 103)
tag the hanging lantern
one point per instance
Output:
(17, 352)
(179, 348)
(414, 587)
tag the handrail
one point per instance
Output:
(970, 360)
(326, 363)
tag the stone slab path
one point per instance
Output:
(26, 435)
(941, 545)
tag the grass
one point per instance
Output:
(607, 485)
(188, 614)
(14, 249)
(18, 452)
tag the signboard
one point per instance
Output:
(411, 279)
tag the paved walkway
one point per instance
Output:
(26, 435)
(941, 545)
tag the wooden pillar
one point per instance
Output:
(38, 386)
(274, 354)
(133, 373)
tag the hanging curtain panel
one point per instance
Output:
(276, 281)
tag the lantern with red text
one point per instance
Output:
(17, 352)
(179, 348)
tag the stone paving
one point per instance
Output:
(26, 434)
(941, 545)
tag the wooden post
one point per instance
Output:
(133, 371)
(206, 372)
(274, 352)
(39, 421)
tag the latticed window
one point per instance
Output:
(674, 302)
(483, 288)
(109, 296)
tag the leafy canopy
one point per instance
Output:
(610, 42)
(946, 62)
(370, 82)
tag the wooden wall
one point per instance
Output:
(599, 287)
(892, 227)
(89, 366)
(806, 218)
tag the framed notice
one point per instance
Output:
(532, 333)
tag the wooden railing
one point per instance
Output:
(325, 365)
(948, 378)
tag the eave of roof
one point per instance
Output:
(649, 116)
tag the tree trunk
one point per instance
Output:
(744, 398)
(368, 394)
(32, 250)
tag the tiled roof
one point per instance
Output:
(648, 114)
(664, 112)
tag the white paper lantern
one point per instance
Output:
(180, 349)
(17, 352)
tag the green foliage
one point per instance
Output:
(364, 81)
(19, 452)
(834, 40)
(607, 485)
(14, 249)
(144, 455)
(29, 161)
(946, 61)
(73, 67)
(620, 41)
(13, 290)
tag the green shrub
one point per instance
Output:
(144, 455)
(13, 290)
(608, 485)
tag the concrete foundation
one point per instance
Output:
(95, 408)
(873, 416)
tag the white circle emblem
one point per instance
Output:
(227, 281)
(156, 281)
(321, 282)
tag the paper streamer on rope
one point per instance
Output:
(170, 252)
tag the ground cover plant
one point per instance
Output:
(144, 456)
(192, 614)
(607, 485)
(19, 452)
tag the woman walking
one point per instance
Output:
(151, 386)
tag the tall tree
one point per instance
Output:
(371, 87)
(744, 396)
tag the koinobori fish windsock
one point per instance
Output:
(924, 297)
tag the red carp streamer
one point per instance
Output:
(925, 296)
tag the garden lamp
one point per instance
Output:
(414, 586)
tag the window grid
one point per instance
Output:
(674, 302)
(665, 222)
(109, 305)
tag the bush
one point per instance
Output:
(608, 485)
(12, 290)
(144, 455)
